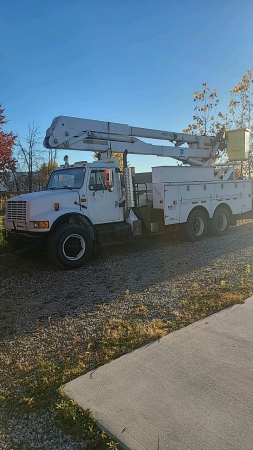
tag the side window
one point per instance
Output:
(97, 180)
(92, 182)
(100, 180)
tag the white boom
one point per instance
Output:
(106, 137)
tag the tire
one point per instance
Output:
(220, 222)
(195, 228)
(69, 246)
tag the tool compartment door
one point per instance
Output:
(171, 205)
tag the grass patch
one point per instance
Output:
(78, 423)
(38, 385)
(213, 300)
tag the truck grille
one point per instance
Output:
(16, 210)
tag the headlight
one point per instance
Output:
(39, 224)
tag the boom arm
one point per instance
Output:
(106, 137)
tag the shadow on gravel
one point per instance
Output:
(32, 290)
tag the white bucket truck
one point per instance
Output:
(86, 204)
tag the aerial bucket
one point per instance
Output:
(238, 144)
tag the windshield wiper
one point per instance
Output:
(67, 187)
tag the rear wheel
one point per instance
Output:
(220, 222)
(70, 246)
(195, 228)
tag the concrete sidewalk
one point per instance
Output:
(192, 388)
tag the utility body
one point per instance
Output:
(88, 204)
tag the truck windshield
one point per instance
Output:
(69, 178)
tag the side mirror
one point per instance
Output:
(110, 188)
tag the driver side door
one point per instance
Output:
(103, 204)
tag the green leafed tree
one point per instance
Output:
(44, 173)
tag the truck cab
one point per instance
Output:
(81, 202)
(98, 187)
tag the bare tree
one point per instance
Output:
(29, 154)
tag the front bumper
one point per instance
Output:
(24, 240)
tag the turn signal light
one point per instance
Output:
(56, 206)
(40, 224)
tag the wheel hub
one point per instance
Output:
(221, 222)
(73, 247)
(198, 226)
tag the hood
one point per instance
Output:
(48, 195)
(37, 202)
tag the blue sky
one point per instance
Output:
(136, 62)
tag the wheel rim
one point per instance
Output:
(73, 247)
(198, 226)
(222, 222)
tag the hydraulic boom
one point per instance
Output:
(106, 137)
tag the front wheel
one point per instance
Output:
(220, 222)
(70, 246)
(195, 228)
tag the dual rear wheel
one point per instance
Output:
(220, 222)
(196, 227)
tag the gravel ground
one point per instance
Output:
(42, 307)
